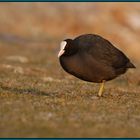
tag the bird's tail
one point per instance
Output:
(130, 65)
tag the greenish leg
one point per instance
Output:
(101, 88)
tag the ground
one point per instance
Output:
(38, 99)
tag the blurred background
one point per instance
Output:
(30, 34)
(52, 22)
(47, 24)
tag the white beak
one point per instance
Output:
(62, 48)
(60, 53)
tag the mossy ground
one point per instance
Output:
(38, 99)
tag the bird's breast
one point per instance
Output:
(86, 68)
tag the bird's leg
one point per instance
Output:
(101, 88)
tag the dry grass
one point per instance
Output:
(38, 99)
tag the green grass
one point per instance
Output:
(38, 99)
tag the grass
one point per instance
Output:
(38, 99)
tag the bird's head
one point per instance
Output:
(67, 48)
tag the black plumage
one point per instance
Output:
(92, 58)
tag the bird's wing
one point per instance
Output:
(103, 51)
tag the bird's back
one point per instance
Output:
(104, 52)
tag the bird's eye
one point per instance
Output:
(63, 45)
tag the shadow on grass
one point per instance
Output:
(32, 91)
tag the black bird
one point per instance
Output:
(92, 58)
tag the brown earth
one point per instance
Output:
(38, 99)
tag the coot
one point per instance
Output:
(92, 58)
